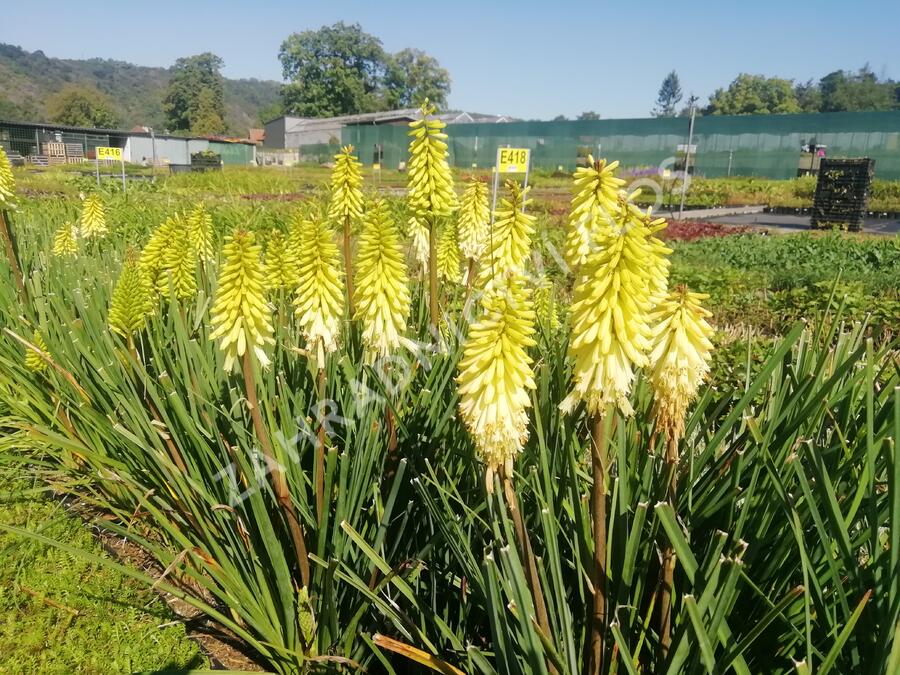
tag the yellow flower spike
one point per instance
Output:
(680, 357)
(178, 265)
(473, 219)
(659, 280)
(241, 318)
(419, 241)
(7, 182)
(430, 179)
(280, 263)
(610, 319)
(495, 375)
(448, 255)
(132, 299)
(93, 217)
(383, 298)
(346, 184)
(33, 361)
(200, 232)
(319, 298)
(154, 254)
(64, 243)
(594, 204)
(545, 308)
(509, 242)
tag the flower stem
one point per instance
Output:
(348, 267)
(433, 277)
(12, 254)
(668, 556)
(534, 581)
(320, 450)
(276, 471)
(597, 609)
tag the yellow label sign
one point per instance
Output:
(376, 166)
(513, 160)
(109, 153)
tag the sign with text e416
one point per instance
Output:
(109, 153)
(513, 160)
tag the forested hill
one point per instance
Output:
(29, 79)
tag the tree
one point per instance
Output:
(336, 70)
(82, 106)
(412, 76)
(668, 97)
(844, 90)
(809, 96)
(560, 118)
(195, 80)
(754, 95)
(271, 112)
(206, 118)
(588, 115)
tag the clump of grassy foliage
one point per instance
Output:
(787, 484)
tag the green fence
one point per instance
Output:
(741, 145)
(233, 153)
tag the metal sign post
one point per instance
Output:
(114, 154)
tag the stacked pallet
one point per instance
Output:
(842, 193)
(55, 153)
(74, 153)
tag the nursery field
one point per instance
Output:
(361, 425)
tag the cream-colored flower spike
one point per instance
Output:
(659, 279)
(200, 232)
(509, 241)
(419, 241)
(474, 218)
(132, 299)
(93, 217)
(281, 263)
(241, 318)
(495, 375)
(430, 179)
(680, 356)
(448, 255)
(319, 299)
(383, 298)
(346, 184)
(64, 243)
(610, 318)
(594, 205)
(7, 182)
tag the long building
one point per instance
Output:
(47, 142)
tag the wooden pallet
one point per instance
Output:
(74, 150)
(55, 149)
(37, 160)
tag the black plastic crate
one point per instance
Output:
(842, 192)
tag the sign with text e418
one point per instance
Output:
(109, 153)
(513, 160)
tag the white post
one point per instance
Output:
(687, 162)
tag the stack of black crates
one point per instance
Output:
(842, 193)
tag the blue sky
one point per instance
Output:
(528, 59)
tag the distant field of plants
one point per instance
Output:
(362, 422)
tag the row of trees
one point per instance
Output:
(841, 90)
(194, 100)
(336, 70)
